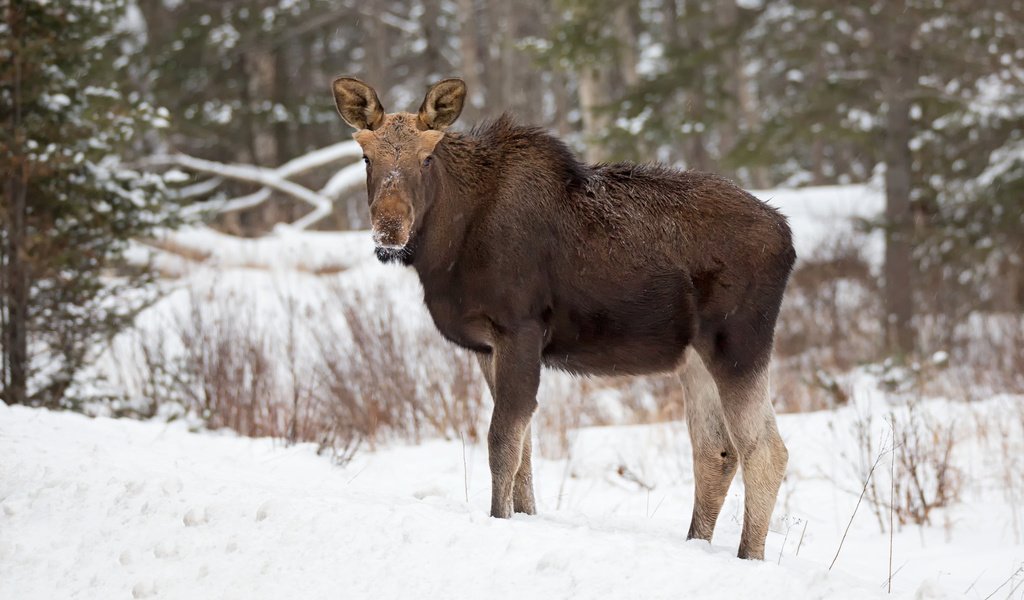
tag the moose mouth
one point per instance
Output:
(395, 254)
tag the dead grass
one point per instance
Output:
(379, 379)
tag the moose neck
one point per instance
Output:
(458, 189)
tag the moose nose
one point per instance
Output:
(391, 226)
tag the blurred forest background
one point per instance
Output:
(922, 98)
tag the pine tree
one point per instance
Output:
(69, 205)
(882, 82)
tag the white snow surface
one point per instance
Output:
(102, 508)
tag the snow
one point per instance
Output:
(822, 215)
(286, 249)
(107, 508)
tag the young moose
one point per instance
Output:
(530, 258)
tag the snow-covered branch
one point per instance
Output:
(274, 180)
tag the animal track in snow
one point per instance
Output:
(195, 517)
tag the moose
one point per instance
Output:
(530, 258)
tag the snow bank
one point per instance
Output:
(117, 509)
(285, 249)
(821, 215)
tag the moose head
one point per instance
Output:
(398, 150)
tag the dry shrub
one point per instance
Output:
(806, 383)
(338, 375)
(351, 368)
(228, 372)
(380, 378)
(564, 412)
(926, 478)
(323, 270)
(832, 307)
(1009, 428)
(915, 473)
(829, 322)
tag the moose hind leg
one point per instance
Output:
(763, 456)
(522, 490)
(714, 456)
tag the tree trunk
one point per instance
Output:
(469, 55)
(899, 270)
(491, 18)
(625, 28)
(560, 90)
(696, 150)
(726, 18)
(16, 289)
(673, 39)
(593, 85)
(433, 56)
(898, 74)
(510, 92)
(16, 292)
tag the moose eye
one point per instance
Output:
(427, 161)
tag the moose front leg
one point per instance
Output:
(522, 488)
(515, 369)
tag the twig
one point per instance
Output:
(358, 473)
(801, 542)
(976, 580)
(465, 467)
(1008, 580)
(888, 581)
(892, 497)
(782, 549)
(867, 480)
(657, 506)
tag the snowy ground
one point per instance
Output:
(118, 508)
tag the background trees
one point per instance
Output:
(922, 96)
(69, 205)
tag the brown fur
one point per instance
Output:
(530, 258)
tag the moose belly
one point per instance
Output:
(638, 331)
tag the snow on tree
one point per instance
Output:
(69, 203)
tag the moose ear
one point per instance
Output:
(442, 104)
(357, 103)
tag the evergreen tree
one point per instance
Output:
(69, 205)
(888, 81)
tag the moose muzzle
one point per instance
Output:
(392, 222)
